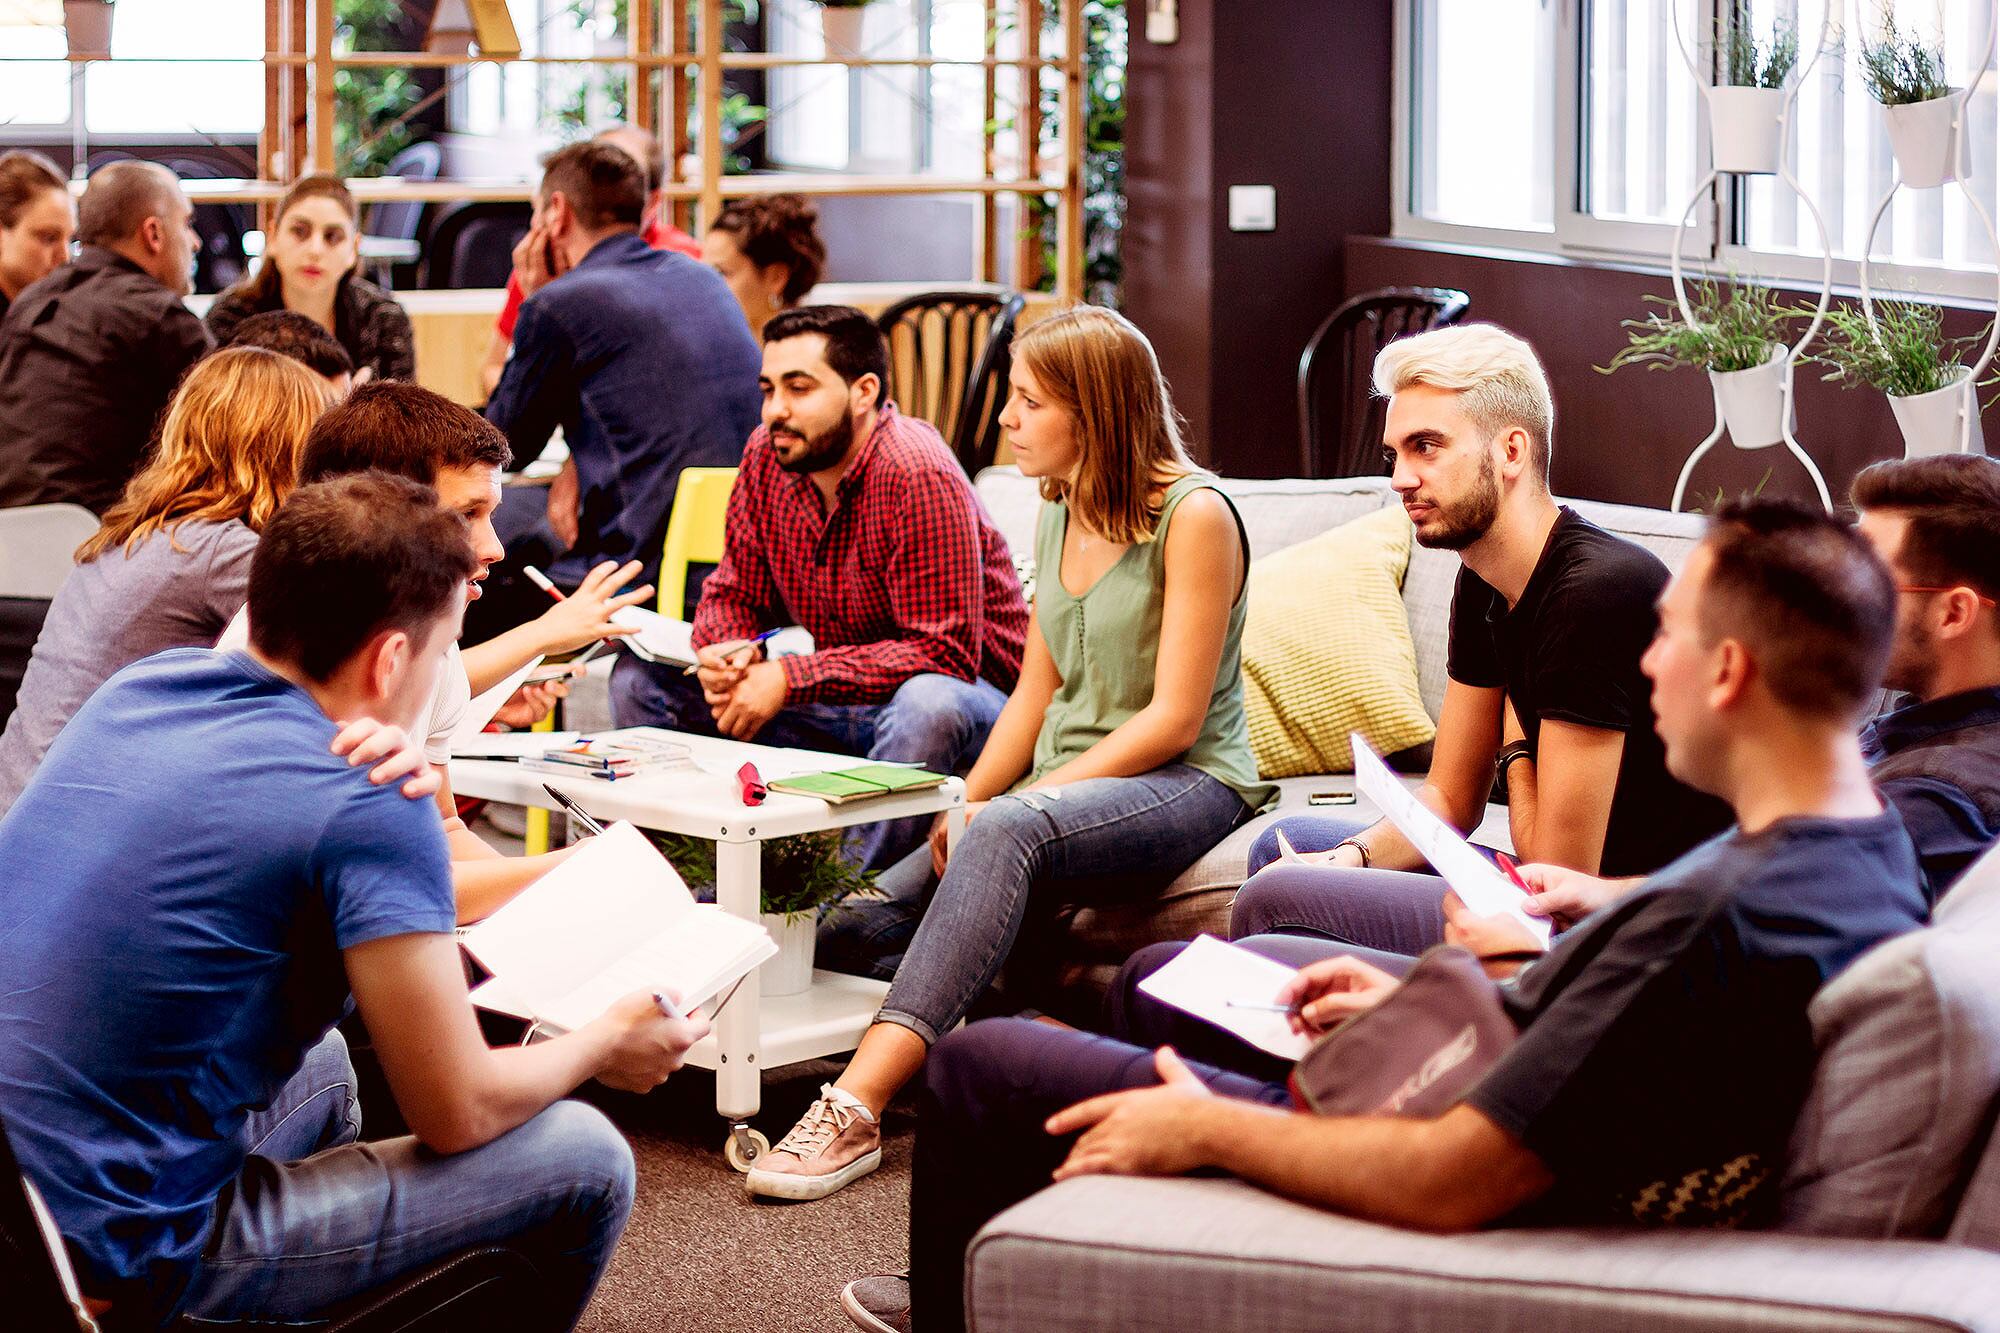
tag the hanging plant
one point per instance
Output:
(1901, 68)
(1911, 355)
(1736, 327)
(1751, 62)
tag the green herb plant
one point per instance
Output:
(1910, 356)
(1736, 327)
(801, 874)
(1900, 67)
(1751, 62)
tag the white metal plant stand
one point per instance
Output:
(1930, 146)
(1747, 132)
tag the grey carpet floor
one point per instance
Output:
(699, 1254)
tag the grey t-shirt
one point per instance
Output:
(176, 589)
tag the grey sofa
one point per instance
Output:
(1891, 1212)
(1095, 940)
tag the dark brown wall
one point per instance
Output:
(1289, 95)
(1624, 437)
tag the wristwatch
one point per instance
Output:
(1509, 752)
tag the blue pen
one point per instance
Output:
(751, 642)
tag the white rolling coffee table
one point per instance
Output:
(751, 1034)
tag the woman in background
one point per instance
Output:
(37, 222)
(308, 268)
(767, 248)
(171, 564)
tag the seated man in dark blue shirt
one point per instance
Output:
(1937, 760)
(1663, 1048)
(167, 982)
(642, 356)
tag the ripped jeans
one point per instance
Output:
(1084, 842)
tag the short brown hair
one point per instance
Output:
(778, 229)
(1952, 504)
(23, 175)
(1808, 596)
(347, 559)
(390, 426)
(605, 185)
(119, 199)
(297, 336)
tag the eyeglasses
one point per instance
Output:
(1925, 587)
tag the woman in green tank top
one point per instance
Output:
(1122, 754)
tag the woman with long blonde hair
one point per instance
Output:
(171, 564)
(1122, 754)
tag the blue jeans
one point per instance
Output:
(317, 1218)
(1088, 841)
(934, 720)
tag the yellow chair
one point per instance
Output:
(694, 536)
(694, 532)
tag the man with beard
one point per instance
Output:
(640, 355)
(1549, 620)
(855, 522)
(1938, 759)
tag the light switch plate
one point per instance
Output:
(1253, 208)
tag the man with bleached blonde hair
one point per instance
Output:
(1549, 620)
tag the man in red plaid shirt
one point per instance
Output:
(856, 522)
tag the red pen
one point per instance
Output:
(1511, 868)
(751, 785)
(541, 580)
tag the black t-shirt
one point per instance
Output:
(1665, 1049)
(1570, 650)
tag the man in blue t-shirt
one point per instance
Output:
(1663, 1049)
(188, 890)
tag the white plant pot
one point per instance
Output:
(1746, 129)
(845, 29)
(1943, 421)
(792, 970)
(1928, 141)
(88, 23)
(1752, 402)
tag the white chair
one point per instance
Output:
(37, 546)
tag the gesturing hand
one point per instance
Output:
(1323, 993)
(1138, 1132)
(584, 616)
(394, 754)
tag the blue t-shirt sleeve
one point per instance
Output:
(384, 869)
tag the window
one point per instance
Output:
(1575, 127)
(169, 78)
(882, 120)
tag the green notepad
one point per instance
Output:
(856, 784)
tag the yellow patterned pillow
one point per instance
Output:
(1327, 651)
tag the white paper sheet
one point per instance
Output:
(1204, 977)
(612, 919)
(1476, 881)
(481, 710)
(668, 640)
(513, 744)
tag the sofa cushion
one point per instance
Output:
(1327, 652)
(1909, 1072)
(1103, 1252)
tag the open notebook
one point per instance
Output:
(612, 919)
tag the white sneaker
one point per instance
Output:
(836, 1141)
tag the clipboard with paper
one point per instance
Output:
(1478, 884)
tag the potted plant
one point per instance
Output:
(800, 875)
(1924, 114)
(1739, 337)
(844, 24)
(1746, 111)
(88, 23)
(1905, 354)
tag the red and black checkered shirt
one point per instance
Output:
(906, 575)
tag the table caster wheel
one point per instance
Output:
(743, 1147)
